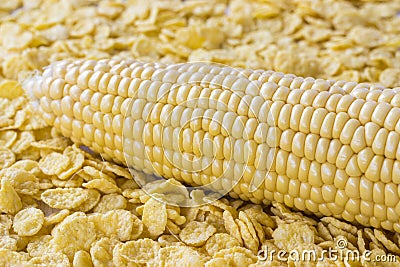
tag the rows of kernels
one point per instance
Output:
(333, 151)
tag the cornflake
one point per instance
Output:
(115, 224)
(10, 202)
(65, 198)
(142, 251)
(220, 241)
(53, 163)
(110, 202)
(231, 226)
(103, 186)
(74, 233)
(180, 256)
(28, 222)
(289, 235)
(196, 233)
(155, 216)
(237, 256)
(101, 252)
(82, 258)
(7, 157)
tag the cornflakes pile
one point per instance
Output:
(61, 206)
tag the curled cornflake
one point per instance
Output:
(231, 226)
(196, 233)
(390, 245)
(339, 224)
(289, 235)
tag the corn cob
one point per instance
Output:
(326, 147)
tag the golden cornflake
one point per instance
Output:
(23, 181)
(103, 185)
(7, 138)
(57, 144)
(28, 222)
(289, 235)
(24, 141)
(40, 245)
(155, 216)
(82, 259)
(54, 163)
(110, 202)
(7, 157)
(101, 251)
(76, 159)
(91, 202)
(74, 233)
(180, 256)
(55, 259)
(116, 224)
(251, 242)
(12, 258)
(220, 241)
(197, 233)
(65, 198)
(5, 224)
(231, 226)
(56, 217)
(10, 202)
(237, 256)
(386, 242)
(142, 251)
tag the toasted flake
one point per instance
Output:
(111, 202)
(50, 259)
(91, 202)
(180, 256)
(76, 159)
(56, 217)
(386, 242)
(103, 185)
(289, 235)
(116, 224)
(197, 233)
(10, 202)
(7, 138)
(101, 252)
(341, 225)
(237, 256)
(28, 222)
(142, 251)
(65, 198)
(155, 216)
(220, 241)
(82, 259)
(53, 163)
(7, 157)
(74, 233)
(248, 239)
(231, 226)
